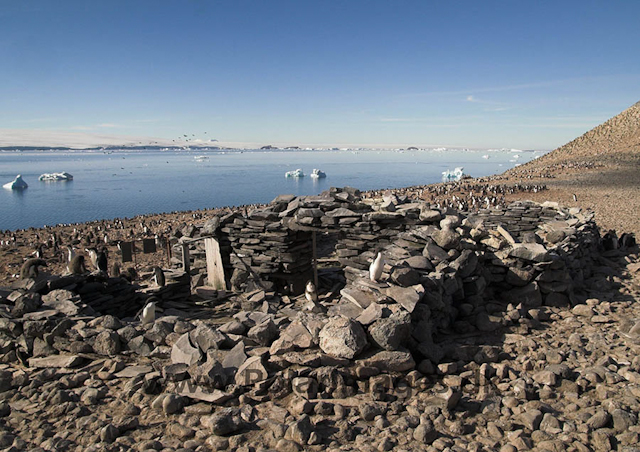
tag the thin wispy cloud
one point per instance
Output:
(518, 86)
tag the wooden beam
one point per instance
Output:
(315, 259)
(215, 269)
(186, 265)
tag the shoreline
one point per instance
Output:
(609, 188)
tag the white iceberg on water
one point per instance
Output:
(317, 174)
(55, 176)
(453, 176)
(16, 184)
(296, 173)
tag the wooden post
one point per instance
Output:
(215, 270)
(315, 258)
(186, 265)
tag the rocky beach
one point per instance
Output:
(506, 318)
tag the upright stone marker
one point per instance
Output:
(215, 270)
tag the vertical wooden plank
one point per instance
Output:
(315, 259)
(186, 265)
(215, 270)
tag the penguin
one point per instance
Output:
(115, 269)
(310, 292)
(101, 261)
(93, 255)
(30, 268)
(375, 269)
(71, 253)
(77, 265)
(149, 313)
(158, 276)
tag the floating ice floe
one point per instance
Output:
(55, 176)
(201, 158)
(453, 176)
(16, 184)
(486, 156)
(296, 173)
(317, 174)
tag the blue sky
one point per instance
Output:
(517, 74)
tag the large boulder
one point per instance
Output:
(342, 338)
(392, 332)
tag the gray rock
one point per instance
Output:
(487, 323)
(184, 352)
(371, 314)
(211, 373)
(435, 253)
(295, 336)
(140, 345)
(107, 343)
(425, 432)
(251, 371)
(224, 422)
(206, 338)
(300, 430)
(172, 404)
(175, 372)
(529, 295)
(430, 216)
(109, 433)
(390, 361)
(622, 420)
(264, 333)
(28, 302)
(531, 419)
(234, 358)
(369, 410)
(530, 251)
(407, 297)
(419, 263)
(446, 238)
(342, 338)
(599, 420)
(233, 327)
(392, 332)
(405, 276)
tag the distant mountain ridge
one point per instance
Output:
(614, 137)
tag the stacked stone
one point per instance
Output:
(455, 274)
(519, 217)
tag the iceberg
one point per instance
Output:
(55, 176)
(16, 184)
(317, 174)
(296, 173)
(453, 176)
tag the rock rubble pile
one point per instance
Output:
(478, 336)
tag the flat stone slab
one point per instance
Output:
(193, 391)
(360, 298)
(134, 371)
(56, 361)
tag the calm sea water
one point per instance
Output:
(126, 183)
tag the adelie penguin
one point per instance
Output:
(30, 268)
(376, 267)
(158, 277)
(98, 259)
(149, 313)
(310, 292)
(77, 265)
(311, 295)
